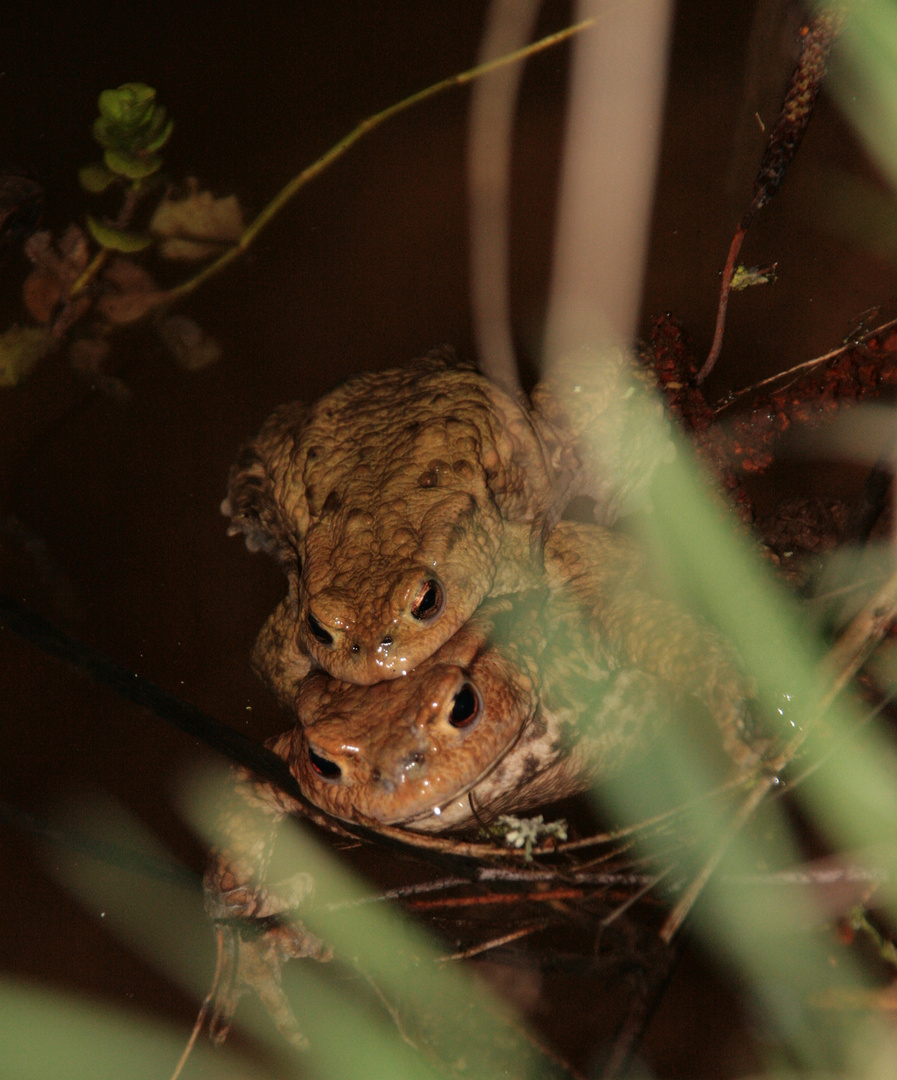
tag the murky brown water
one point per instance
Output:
(368, 268)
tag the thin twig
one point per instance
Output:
(817, 38)
(87, 275)
(805, 366)
(204, 1008)
(854, 647)
(621, 909)
(661, 819)
(348, 141)
(496, 898)
(724, 292)
(494, 943)
(686, 901)
(642, 1007)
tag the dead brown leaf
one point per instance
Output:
(127, 307)
(192, 346)
(196, 225)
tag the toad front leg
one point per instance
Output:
(255, 924)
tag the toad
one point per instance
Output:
(402, 499)
(530, 701)
(533, 699)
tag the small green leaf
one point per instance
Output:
(132, 166)
(156, 142)
(746, 277)
(129, 105)
(117, 239)
(95, 178)
(20, 349)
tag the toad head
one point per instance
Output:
(410, 751)
(395, 505)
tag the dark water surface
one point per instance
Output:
(366, 269)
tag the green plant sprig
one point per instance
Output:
(132, 128)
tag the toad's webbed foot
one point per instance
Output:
(255, 925)
(250, 959)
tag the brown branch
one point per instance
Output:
(818, 390)
(495, 943)
(862, 636)
(495, 898)
(807, 365)
(817, 38)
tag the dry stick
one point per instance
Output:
(335, 152)
(494, 943)
(642, 1007)
(203, 1010)
(725, 288)
(549, 896)
(805, 366)
(818, 37)
(863, 634)
(686, 901)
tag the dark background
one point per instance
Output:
(119, 501)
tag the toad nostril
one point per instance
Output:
(322, 635)
(386, 642)
(355, 647)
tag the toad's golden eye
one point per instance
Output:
(324, 767)
(467, 707)
(322, 635)
(429, 601)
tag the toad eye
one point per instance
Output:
(324, 767)
(429, 601)
(467, 707)
(318, 631)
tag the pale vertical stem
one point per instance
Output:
(607, 184)
(509, 25)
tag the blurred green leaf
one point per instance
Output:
(160, 133)
(47, 1034)
(865, 79)
(458, 1021)
(95, 178)
(20, 349)
(117, 239)
(129, 105)
(861, 213)
(131, 128)
(132, 166)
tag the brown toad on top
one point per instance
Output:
(400, 500)
(527, 703)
